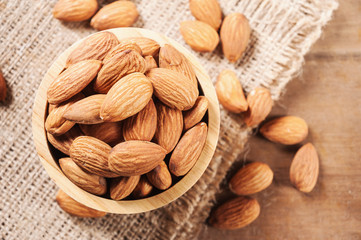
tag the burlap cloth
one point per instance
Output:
(30, 40)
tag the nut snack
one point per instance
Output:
(122, 127)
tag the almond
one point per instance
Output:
(173, 89)
(199, 36)
(150, 62)
(304, 168)
(63, 142)
(114, 15)
(196, 113)
(122, 46)
(286, 130)
(133, 158)
(259, 106)
(55, 123)
(188, 150)
(86, 181)
(171, 58)
(2, 87)
(75, 11)
(109, 132)
(75, 208)
(235, 213)
(91, 154)
(235, 34)
(169, 126)
(230, 93)
(252, 178)
(73, 80)
(86, 111)
(143, 188)
(207, 11)
(116, 67)
(149, 46)
(141, 126)
(160, 177)
(94, 47)
(122, 187)
(126, 98)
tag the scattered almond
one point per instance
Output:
(133, 158)
(109, 132)
(143, 189)
(75, 208)
(230, 93)
(252, 178)
(207, 11)
(286, 130)
(71, 81)
(160, 176)
(74, 11)
(259, 106)
(150, 63)
(122, 187)
(196, 113)
(126, 98)
(2, 87)
(305, 168)
(86, 181)
(235, 34)
(149, 46)
(236, 213)
(188, 150)
(63, 142)
(114, 15)
(199, 36)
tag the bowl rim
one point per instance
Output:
(125, 206)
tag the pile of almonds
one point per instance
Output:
(202, 34)
(257, 176)
(116, 14)
(123, 124)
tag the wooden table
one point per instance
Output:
(328, 96)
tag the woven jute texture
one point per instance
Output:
(30, 40)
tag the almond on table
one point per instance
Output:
(75, 11)
(207, 11)
(259, 106)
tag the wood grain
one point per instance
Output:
(126, 206)
(328, 96)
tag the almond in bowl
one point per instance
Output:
(127, 126)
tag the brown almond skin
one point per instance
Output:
(169, 126)
(114, 15)
(305, 168)
(252, 178)
(150, 62)
(55, 123)
(194, 115)
(230, 92)
(149, 46)
(86, 181)
(143, 189)
(173, 88)
(63, 142)
(86, 111)
(171, 58)
(235, 33)
(126, 98)
(188, 150)
(122, 187)
(73, 80)
(160, 177)
(3, 88)
(92, 155)
(207, 11)
(199, 36)
(75, 11)
(236, 213)
(133, 158)
(259, 106)
(94, 47)
(75, 208)
(141, 126)
(122, 46)
(288, 130)
(109, 132)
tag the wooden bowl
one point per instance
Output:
(125, 206)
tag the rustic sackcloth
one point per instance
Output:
(31, 39)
